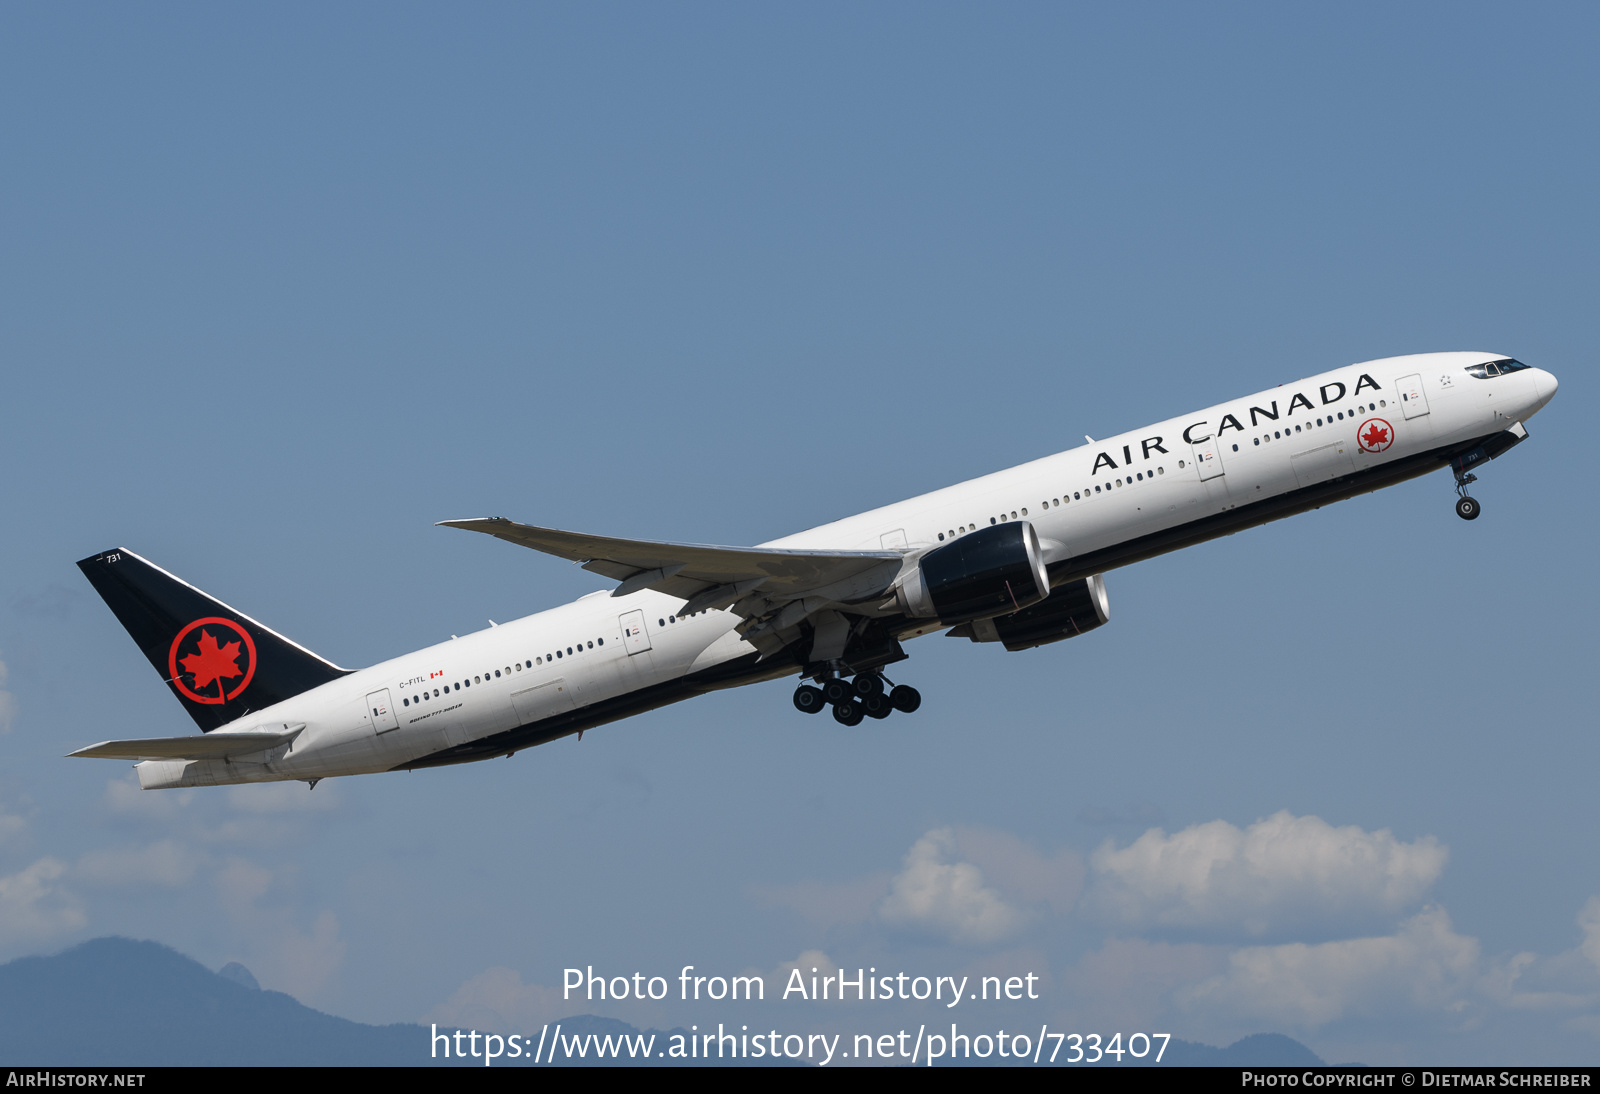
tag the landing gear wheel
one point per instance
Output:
(847, 713)
(869, 683)
(877, 706)
(905, 698)
(1467, 508)
(809, 700)
(837, 691)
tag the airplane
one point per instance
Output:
(1017, 557)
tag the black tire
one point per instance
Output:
(869, 683)
(837, 691)
(905, 698)
(809, 700)
(877, 706)
(847, 713)
(1468, 508)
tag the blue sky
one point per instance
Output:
(283, 286)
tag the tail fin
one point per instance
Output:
(220, 663)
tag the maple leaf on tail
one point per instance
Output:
(1375, 436)
(213, 662)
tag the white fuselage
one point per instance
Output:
(1084, 501)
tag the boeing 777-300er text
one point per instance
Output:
(1015, 557)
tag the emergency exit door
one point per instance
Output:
(635, 639)
(1208, 458)
(1413, 403)
(381, 711)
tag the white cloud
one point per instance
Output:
(13, 826)
(497, 1001)
(8, 702)
(34, 906)
(165, 863)
(306, 961)
(1589, 921)
(1128, 982)
(809, 962)
(1021, 872)
(241, 883)
(1281, 874)
(282, 797)
(283, 956)
(946, 898)
(828, 903)
(124, 798)
(1424, 967)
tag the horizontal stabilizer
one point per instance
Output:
(207, 746)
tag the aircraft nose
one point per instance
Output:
(1545, 385)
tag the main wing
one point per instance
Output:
(775, 586)
(691, 570)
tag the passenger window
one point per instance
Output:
(405, 702)
(1258, 444)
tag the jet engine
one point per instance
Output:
(1070, 611)
(984, 573)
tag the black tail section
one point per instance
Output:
(218, 662)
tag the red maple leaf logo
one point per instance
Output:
(213, 662)
(1375, 436)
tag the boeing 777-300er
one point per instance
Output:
(1015, 557)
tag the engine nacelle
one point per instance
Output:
(1070, 611)
(988, 572)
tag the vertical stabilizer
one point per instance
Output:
(219, 662)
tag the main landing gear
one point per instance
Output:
(1467, 507)
(852, 700)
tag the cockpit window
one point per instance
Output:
(1496, 368)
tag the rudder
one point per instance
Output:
(219, 662)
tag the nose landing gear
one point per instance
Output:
(852, 700)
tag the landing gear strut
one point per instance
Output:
(867, 696)
(1467, 507)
